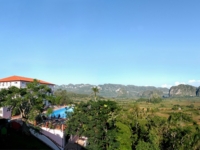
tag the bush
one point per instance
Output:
(191, 106)
(180, 117)
(176, 107)
(162, 105)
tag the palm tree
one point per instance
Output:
(95, 90)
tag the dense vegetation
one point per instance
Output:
(96, 121)
(149, 123)
(29, 102)
(131, 126)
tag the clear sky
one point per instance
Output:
(138, 42)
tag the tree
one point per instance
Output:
(95, 90)
(196, 137)
(136, 129)
(124, 136)
(29, 101)
(61, 97)
(177, 138)
(95, 120)
(155, 98)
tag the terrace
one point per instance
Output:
(13, 138)
(52, 130)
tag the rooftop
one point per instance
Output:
(20, 78)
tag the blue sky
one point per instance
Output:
(138, 42)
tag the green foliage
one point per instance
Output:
(150, 93)
(156, 100)
(191, 106)
(178, 138)
(148, 133)
(95, 90)
(95, 120)
(162, 105)
(133, 127)
(176, 107)
(144, 146)
(49, 111)
(28, 101)
(153, 98)
(179, 117)
(61, 98)
(124, 136)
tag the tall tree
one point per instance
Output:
(95, 120)
(95, 90)
(61, 97)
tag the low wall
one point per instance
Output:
(46, 140)
(54, 134)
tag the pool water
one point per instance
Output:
(62, 112)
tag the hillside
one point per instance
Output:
(183, 90)
(115, 90)
(198, 91)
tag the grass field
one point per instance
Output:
(189, 106)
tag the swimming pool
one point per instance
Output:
(62, 112)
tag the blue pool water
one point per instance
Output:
(62, 112)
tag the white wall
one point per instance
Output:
(9, 84)
(46, 140)
(1, 112)
(54, 134)
(4, 113)
(23, 84)
(19, 84)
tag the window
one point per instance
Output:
(15, 82)
(0, 111)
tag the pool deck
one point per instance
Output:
(59, 107)
(54, 108)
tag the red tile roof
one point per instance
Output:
(19, 78)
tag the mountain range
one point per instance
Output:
(132, 91)
(115, 90)
(184, 90)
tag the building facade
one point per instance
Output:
(19, 82)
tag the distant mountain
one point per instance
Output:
(198, 91)
(115, 90)
(148, 93)
(183, 90)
